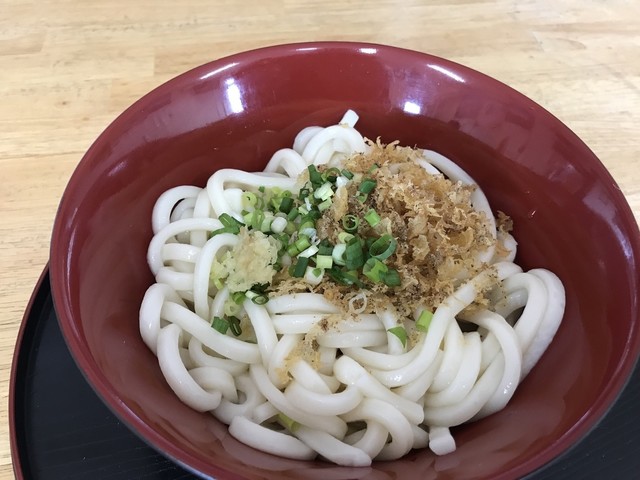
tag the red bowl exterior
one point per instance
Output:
(569, 216)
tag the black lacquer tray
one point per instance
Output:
(62, 430)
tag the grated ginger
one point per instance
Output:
(250, 262)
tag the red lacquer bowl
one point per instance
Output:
(569, 216)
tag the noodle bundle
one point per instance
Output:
(352, 302)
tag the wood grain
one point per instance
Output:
(67, 68)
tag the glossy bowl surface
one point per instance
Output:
(569, 216)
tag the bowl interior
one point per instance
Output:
(569, 216)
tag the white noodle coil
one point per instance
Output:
(369, 395)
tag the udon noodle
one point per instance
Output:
(305, 358)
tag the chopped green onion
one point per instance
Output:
(374, 270)
(229, 225)
(391, 278)
(234, 325)
(278, 197)
(292, 250)
(383, 247)
(344, 278)
(276, 192)
(300, 267)
(304, 193)
(325, 205)
(344, 237)
(220, 325)
(309, 251)
(367, 244)
(228, 221)
(286, 205)
(278, 224)
(424, 320)
(290, 228)
(367, 185)
(373, 168)
(362, 197)
(324, 192)
(260, 299)
(314, 214)
(372, 217)
(347, 174)
(338, 253)
(238, 297)
(224, 230)
(256, 219)
(324, 261)
(288, 423)
(401, 333)
(249, 199)
(350, 223)
(302, 243)
(306, 222)
(308, 232)
(257, 297)
(353, 255)
(293, 213)
(324, 247)
(313, 276)
(331, 174)
(314, 176)
(265, 226)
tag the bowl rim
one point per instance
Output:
(96, 379)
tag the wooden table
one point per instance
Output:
(67, 68)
